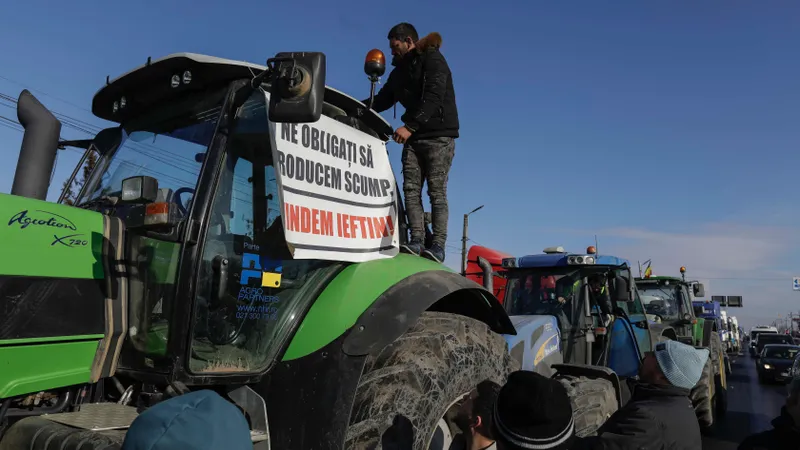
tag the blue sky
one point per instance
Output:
(669, 130)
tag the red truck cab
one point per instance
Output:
(495, 258)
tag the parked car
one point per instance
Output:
(766, 339)
(777, 362)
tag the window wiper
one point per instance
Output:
(103, 200)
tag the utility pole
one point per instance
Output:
(464, 240)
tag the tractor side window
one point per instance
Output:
(250, 290)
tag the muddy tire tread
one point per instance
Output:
(701, 398)
(416, 377)
(593, 402)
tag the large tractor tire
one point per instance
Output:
(594, 400)
(702, 396)
(720, 399)
(715, 350)
(410, 390)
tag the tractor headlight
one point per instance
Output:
(580, 259)
(509, 262)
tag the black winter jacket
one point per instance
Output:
(783, 435)
(656, 418)
(421, 81)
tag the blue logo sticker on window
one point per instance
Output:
(262, 268)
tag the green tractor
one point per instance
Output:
(668, 304)
(172, 273)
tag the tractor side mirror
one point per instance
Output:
(297, 91)
(699, 290)
(622, 291)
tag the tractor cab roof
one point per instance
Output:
(162, 80)
(659, 280)
(562, 260)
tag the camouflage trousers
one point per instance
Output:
(427, 160)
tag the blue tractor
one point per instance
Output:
(579, 318)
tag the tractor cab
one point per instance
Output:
(587, 300)
(192, 165)
(668, 304)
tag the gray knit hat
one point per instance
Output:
(682, 364)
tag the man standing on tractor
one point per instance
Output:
(422, 82)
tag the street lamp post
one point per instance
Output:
(464, 240)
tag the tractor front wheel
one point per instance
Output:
(410, 391)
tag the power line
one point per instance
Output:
(44, 93)
(188, 166)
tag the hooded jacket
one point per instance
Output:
(421, 81)
(658, 417)
(783, 435)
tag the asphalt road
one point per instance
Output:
(751, 406)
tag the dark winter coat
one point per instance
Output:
(656, 418)
(783, 435)
(421, 81)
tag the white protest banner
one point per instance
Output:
(337, 191)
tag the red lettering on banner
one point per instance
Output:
(320, 222)
(308, 220)
(364, 227)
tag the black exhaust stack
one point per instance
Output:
(39, 146)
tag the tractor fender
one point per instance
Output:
(537, 344)
(394, 311)
(624, 356)
(372, 293)
(660, 332)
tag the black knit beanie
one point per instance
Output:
(533, 412)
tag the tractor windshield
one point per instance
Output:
(557, 290)
(546, 291)
(660, 300)
(168, 145)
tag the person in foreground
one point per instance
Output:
(421, 81)
(659, 414)
(475, 418)
(533, 412)
(200, 420)
(785, 432)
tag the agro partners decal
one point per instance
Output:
(337, 191)
(258, 277)
(64, 230)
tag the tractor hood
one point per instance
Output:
(537, 344)
(51, 280)
(49, 240)
(55, 296)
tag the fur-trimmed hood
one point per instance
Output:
(432, 40)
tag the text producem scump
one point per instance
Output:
(317, 173)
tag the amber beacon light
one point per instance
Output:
(375, 64)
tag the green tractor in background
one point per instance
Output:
(668, 304)
(171, 273)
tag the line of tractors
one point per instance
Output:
(659, 308)
(136, 294)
